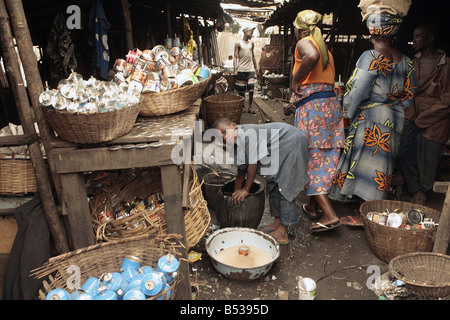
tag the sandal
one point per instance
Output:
(352, 221)
(309, 214)
(324, 227)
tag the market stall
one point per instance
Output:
(83, 129)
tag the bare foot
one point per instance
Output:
(281, 235)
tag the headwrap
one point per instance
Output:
(383, 24)
(308, 20)
(393, 7)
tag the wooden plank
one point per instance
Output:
(443, 232)
(103, 159)
(171, 183)
(76, 207)
(263, 106)
(18, 140)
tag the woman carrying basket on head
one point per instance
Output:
(381, 88)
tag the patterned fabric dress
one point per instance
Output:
(321, 120)
(377, 94)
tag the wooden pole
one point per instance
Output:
(443, 232)
(127, 24)
(26, 119)
(169, 21)
(34, 82)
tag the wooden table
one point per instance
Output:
(121, 153)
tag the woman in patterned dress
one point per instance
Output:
(318, 114)
(381, 88)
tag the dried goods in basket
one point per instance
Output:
(93, 261)
(387, 242)
(151, 220)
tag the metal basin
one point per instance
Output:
(229, 237)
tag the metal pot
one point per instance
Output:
(229, 237)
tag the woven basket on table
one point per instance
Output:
(223, 105)
(96, 260)
(146, 182)
(172, 101)
(92, 128)
(17, 176)
(425, 273)
(387, 242)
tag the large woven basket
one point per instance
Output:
(425, 273)
(93, 261)
(143, 183)
(172, 101)
(92, 128)
(387, 242)
(223, 105)
(17, 177)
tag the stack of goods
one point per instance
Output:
(158, 70)
(76, 95)
(409, 220)
(124, 209)
(133, 281)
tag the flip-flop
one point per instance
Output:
(324, 227)
(352, 223)
(266, 229)
(308, 214)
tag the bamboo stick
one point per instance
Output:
(34, 82)
(24, 110)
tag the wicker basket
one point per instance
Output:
(146, 182)
(98, 259)
(387, 242)
(17, 176)
(92, 128)
(172, 101)
(223, 105)
(427, 274)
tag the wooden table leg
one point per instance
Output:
(76, 206)
(171, 183)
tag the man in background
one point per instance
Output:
(427, 126)
(245, 66)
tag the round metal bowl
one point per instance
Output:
(229, 237)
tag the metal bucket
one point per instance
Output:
(229, 237)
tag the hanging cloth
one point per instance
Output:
(99, 26)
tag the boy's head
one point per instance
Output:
(227, 128)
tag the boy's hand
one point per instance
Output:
(239, 195)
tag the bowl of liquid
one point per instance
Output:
(242, 253)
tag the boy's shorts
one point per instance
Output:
(245, 81)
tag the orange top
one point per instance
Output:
(317, 75)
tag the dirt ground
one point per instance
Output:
(338, 260)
